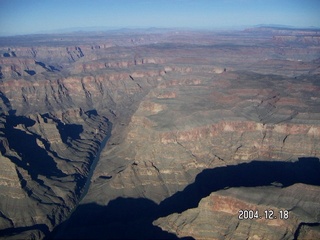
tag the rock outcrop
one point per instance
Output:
(46, 158)
(225, 120)
(294, 211)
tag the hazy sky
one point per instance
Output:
(32, 16)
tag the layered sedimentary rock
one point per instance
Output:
(205, 121)
(173, 107)
(46, 158)
(219, 216)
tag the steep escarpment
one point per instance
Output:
(52, 124)
(200, 123)
(51, 132)
(204, 120)
(220, 215)
(100, 91)
(262, 186)
(47, 158)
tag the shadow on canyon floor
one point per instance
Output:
(132, 218)
(123, 218)
(11, 232)
(34, 158)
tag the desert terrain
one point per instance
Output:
(160, 133)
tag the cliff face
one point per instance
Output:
(46, 160)
(200, 123)
(174, 108)
(53, 120)
(101, 91)
(219, 216)
(50, 135)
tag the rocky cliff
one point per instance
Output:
(219, 216)
(46, 160)
(200, 123)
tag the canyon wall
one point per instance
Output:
(174, 108)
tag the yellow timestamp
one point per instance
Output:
(268, 214)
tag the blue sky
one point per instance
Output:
(33, 16)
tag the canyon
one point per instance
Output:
(160, 133)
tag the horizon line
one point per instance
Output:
(139, 28)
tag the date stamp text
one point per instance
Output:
(268, 214)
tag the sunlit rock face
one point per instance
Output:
(224, 214)
(171, 106)
(225, 120)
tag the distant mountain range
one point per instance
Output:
(279, 26)
(125, 29)
(155, 29)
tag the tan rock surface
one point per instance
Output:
(244, 118)
(217, 216)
